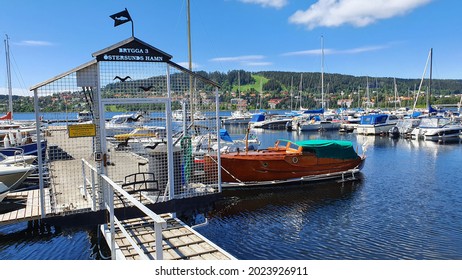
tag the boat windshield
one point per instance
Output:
(433, 122)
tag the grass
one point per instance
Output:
(259, 82)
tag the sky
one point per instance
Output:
(374, 38)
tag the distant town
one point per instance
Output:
(283, 91)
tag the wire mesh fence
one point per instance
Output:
(146, 125)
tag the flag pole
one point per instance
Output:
(133, 28)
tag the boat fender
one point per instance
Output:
(6, 141)
(12, 140)
(295, 159)
(18, 137)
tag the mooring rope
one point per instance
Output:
(234, 177)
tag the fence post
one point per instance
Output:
(93, 189)
(84, 180)
(158, 240)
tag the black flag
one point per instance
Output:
(121, 17)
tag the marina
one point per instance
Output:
(374, 217)
(144, 165)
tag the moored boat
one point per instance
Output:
(289, 161)
(12, 175)
(375, 124)
(436, 129)
(4, 190)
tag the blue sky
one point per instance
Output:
(375, 38)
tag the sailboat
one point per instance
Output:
(240, 116)
(15, 136)
(315, 119)
(432, 127)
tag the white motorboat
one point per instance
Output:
(404, 127)
(12, 175)
(375, 124)
(238, 117)
(436, 129)
(18, 157)
(272, 122)
(123, 123)
(4, 190)
(84, 116)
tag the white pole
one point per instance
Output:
(322, 72)
(39, 153)
(168, 112)
(8, 73)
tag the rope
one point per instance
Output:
(224, 169)
(99, 246)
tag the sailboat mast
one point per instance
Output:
(239, 83)
(322, 72)
(430, 82)
(190, 62)
(300, 90)
(291, 92)
(367, 93)
(430, 55)
(8, 74)
(396, 91)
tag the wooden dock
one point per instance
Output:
(179, 241)
(31, 210)
(65, 196)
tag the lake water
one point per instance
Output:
(406, 205)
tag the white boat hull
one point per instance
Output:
(13, 175)
(369, 129)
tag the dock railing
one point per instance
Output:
(91, 182)
(159, 222)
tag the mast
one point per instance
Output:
(190, 63)
(291, 91)
(261, 91)
(322, 72)
(396, 92)
(430, 82)
(8, 73)
(300, 90)
(367, 93)
(430, 56)
(239, 83)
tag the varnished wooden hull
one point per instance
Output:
(265, 165)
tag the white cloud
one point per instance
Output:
(246, 60)
(195, 66)
(237, 58)
(268, 3)
(334, 51)
(33, 43)
(261, 63)
(16, 91)
(359, 13)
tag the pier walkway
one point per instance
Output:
(66, 195)
(179, 241)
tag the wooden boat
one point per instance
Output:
(289, 161)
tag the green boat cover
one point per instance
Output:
(329, 148)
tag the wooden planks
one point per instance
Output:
(31, 210)
(179, 242)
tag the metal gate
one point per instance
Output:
(152, 121)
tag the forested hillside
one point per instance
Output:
(283, 89)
